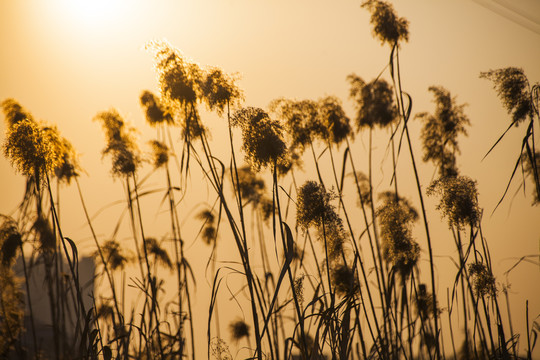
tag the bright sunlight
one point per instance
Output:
(93, 12)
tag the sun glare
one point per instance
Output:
(92, 12)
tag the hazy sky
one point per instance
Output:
(66, 60)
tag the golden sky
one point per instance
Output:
(66, 60)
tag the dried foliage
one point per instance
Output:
(300, 119)
(45, 236)
(313, 209)
(344, 280)
(11, 311)
(10, 241)
(513, 89)
(30, 150)
(115, 257)
(252, 187)
(531, 169)
(424, 302)
(483, 280)
(220, 349)
(313, 204)
(333, 120)
(154, 110)
(121, 144)
(440, 131)
(154, 249)
(262, 137)
(298, 288)
(178, 77)
(14, 112)
(219, 89)
(374, 102)
(458, 200)
(239, 329)
(337, 299)
(387, 26)
(208, 232)
(396, 219)
(160, 154)
(267, 208)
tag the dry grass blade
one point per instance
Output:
(518, 161)
(284, 270)
(213, 299)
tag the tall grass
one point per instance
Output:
(328, 268)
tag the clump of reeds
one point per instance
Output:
(355, 292)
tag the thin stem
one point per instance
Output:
(420, 195)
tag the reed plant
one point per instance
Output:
(325, 264)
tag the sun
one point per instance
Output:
(93, 12)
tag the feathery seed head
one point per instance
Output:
(68, 166)
(300, 119)
(267, 208)
(10, 241)
(483, 280)
(387, 26)
(363, 187)
(12, 310)
(424, 302)
(209, 234)
(160, 154)
(458, 200)
(298, 288)
(532, 170)
(345, 280)
(153, 247)
(313, 208)
(220, 349)
(120, 143)
(333, 120)
(105, 311)
(44, 235)
(29, 148)
(219, 89)
(440, 131)
(14, 112)
(395, 221)
(262, 137)
(312, 204)
(112, 123)
(207, 216)
(332, 231)
(155, 111)
(209, 231)
(125, 157)
(512, 87)
(114, 255)
(251, 186)
(374, 102)
(390, 196)
(178, 77)
(239, 329)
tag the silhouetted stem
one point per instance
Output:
(73, 269)
(242, 246)
(29, 299)
(420, 195)
(152, 280)
(99, 251)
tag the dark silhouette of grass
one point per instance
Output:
(324, 276)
